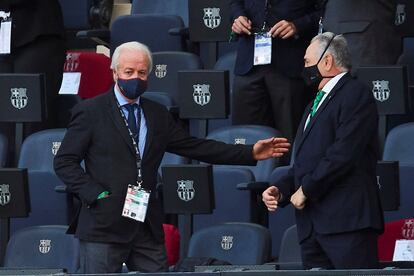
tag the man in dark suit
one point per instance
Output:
(120, 150)
(272, 93)
(368, 26)
(37, 46)
(332, 183)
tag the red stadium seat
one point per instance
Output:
(395, 230)
(172, 243)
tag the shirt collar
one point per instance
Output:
(121, 100)
(331, 84)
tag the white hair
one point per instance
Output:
(134, 46)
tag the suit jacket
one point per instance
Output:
(33, 18)
(97, 134)
(335, 163)
(368, 26)
(287, 54)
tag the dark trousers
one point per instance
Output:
(267, 97)
(350, 250)
(44, 55)
(143, 254)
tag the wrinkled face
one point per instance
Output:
(131, 65)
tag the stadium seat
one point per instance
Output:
(172, 243)
(76, 14)
(164, 75)
(290, 253)
(174, 7)
(3, 150)
(39, 149)
(46, 246)
(250, 134)
(47, 206)
(231, 204)
(402, 229)
(398, 144)
(149, 29)
(236, 243)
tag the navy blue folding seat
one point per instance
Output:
(236, 243)
(290, 253)
(399, 144)
(3, 150)
(46, 246)
(39, 149)
(76, 14)
(231, 204)
(175, 7)
(149, 29)
(47, 206)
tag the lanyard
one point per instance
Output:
(267, 13)
(135, 144)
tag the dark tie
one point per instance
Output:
(132, 120)
(316, 102)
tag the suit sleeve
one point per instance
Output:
(309, 21)
(357, 123)
(237, 9)
(206, 150)
(67, 162)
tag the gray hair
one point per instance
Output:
(338, 48)
(134, 46)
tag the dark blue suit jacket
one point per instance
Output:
(287, 54)
(335, 163)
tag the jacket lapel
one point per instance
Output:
(113, 113)
(325, 103)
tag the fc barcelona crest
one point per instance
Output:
(18, 97)
(212, 17)
(160, 70)
(55, 147)
(226, 242)
(400, 15)
(44, 246)
(201, 94)
(5, 194)
(72, 62)
(381, 90)
(185, 189)
(408, 229)
(240, 141)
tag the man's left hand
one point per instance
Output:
(272, 147)
(298, 199)
(283, 29)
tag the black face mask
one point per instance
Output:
(311, 75)
(132, 88)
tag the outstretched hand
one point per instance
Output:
(268, 148)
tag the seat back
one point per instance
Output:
(47, 206)
(164, 75)
(96, 74)
(76, 13)
(46, 246)
(395, 230)
(236, 243)
(290, 251)
(248, 134)
(231, 204)
(175, 7)
(3, 150)
(149, 29)
(39, 149)
(398, 144)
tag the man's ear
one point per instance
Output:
(328, 62)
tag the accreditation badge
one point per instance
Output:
(262, 48)
(5, 32)
(136, 203)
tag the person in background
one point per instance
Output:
(272, 38)
(332, 183)
(122, 138)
